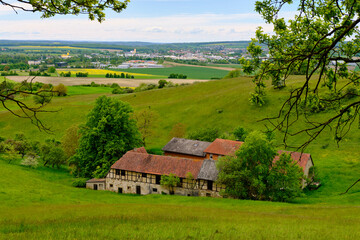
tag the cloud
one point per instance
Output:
(176, 28)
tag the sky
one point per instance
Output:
(143, 20)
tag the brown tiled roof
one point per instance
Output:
(140, 150)
(186, 146)
(223, 147)
(94, 180)
(301, 158)
(156, 164)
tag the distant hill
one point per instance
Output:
(125, 45)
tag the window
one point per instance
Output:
(211, 156)
(210, 185)
(122, 172)
(129, 187)
(154, 189)
(157, 179)
(117, 172)
(120, 190)
(111, 185)
(208, 194)
(143, 174)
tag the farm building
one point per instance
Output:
(194, 162)
(138, 172)
(96, 184)
(186, 148)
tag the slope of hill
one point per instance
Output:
(40, 203)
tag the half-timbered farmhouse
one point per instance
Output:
(138, 172)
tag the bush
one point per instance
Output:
(30, 161)
(233, 74)
(79, 182)
(60, 90)
(162, 83)
(204, 134)
(117, 91)
(115, 85)
(81, 74)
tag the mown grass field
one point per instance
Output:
(190, 72)
(41, 204)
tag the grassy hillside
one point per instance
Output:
(40, 203)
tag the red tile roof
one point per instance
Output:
(155, 164)
(301, 158)
(140, 150)
(223, 147)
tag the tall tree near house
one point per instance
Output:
(251, 174)
(146, 120)
(319, 42)
(108, 134)
(95, 10)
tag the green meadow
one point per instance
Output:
(190, 72)
(41, 203)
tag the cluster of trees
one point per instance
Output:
(253, 174)
(38, 73)
(65, 74)
(176, 75)
(9, 73)
(81, 74)
(122, 75)
(49, 153)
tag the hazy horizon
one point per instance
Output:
(159, 21)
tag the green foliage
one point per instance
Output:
(285, 179)
(162, 83)
(204, 134)
(176, 75)
(94, 9)
(30, 161)
(60, 90)
(252, 174)
(108, 134)
(52, 154)
(319, 42)
(81, 74)
(170, 181)
(79, 182)
(233, 74)
(240, 133)
(51, 70)
(65, 74)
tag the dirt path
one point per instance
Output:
(78, 81)
(189, 65)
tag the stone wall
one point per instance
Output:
(139, 183)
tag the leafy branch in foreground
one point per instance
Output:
(10, 101)
(322, 43)
(49, 8)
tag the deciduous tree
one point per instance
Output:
(251, 174)
(108, 134)
(321, 41)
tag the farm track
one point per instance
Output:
(71, 81)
